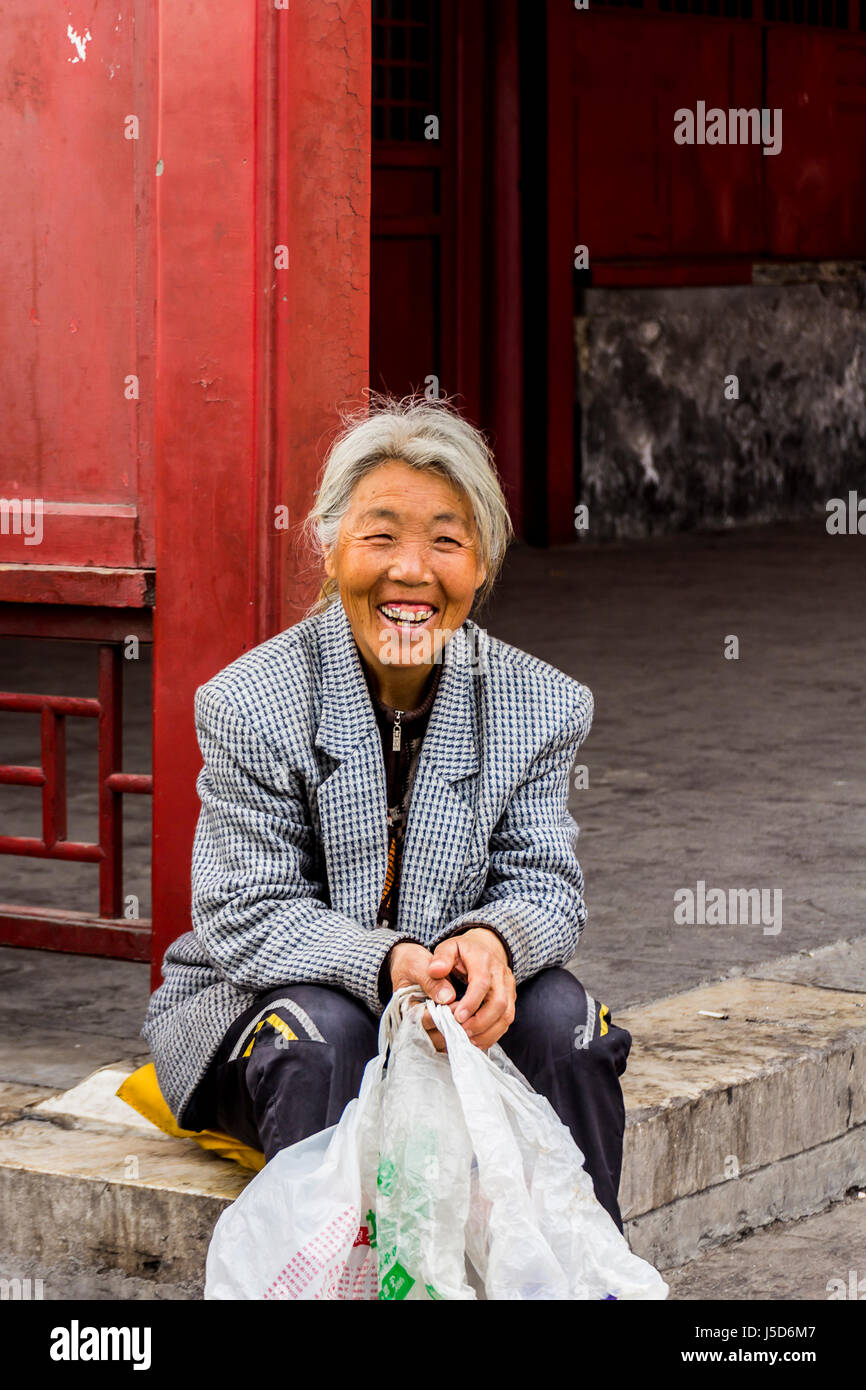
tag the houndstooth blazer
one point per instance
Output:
(291, 846)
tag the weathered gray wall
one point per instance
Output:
(662, 449)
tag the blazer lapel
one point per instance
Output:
(352, 801)
(441, 817)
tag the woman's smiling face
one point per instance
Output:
(407, 563)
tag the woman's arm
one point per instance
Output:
(533, 896)
(258, 905)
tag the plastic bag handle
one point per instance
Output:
(455, 1036)
(394, 1014)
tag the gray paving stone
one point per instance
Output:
(788, 1261)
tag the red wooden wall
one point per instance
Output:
(816, 188)
(653, 211)
(639, 194)
(76, 309)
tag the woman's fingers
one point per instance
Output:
(433, 1032)
(495, 1011)
(477, 989)
(433, 983)
(446, 956)
(410, 965)
(486, 1010)
(493, 1019)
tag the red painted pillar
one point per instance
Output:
(263, 143)
(561, 17)
(505, 340)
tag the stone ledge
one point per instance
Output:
(731, 1123)
(709, 1098)
(793, 1187)
(71, 1193)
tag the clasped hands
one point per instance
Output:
(477, 956)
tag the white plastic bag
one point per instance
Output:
(448, 1174)
(296, 1230)
(540, 1232)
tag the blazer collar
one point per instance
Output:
(347, 719)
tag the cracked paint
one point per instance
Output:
(79, 43)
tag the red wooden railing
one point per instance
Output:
(109, 932)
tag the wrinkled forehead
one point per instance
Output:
(395, 493)
(399, 516)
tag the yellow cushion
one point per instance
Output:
(141, 1091)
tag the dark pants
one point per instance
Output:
(289, 1066)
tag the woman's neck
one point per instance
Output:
(400, 687)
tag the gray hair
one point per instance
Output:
(427, 435)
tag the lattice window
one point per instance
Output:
(716, 9)
(405, 67)
(822, 14)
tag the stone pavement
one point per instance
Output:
(789, 1260)
(748, 773)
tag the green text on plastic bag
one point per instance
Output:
(397, 1283)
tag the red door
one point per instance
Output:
(77, 549)
(454, 155)
(427, 263)
(412, 328)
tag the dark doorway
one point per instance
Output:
(414, 217)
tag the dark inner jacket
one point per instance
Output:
(402, 734)
(400, 751)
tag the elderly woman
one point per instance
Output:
(385, 803)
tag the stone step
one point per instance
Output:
(84, 1177)
(745, 1102)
